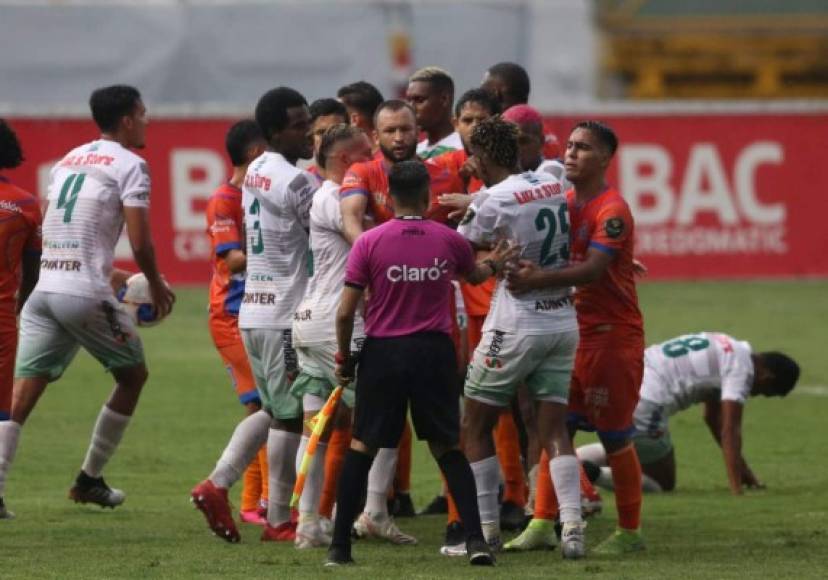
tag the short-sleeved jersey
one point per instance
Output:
(276, 198)
(408, 264)
(530, 210)
(608, 307)
(314, 322)
(452, 162)
(451, 142)
(370, 178)
(19, 234)
(224, 228)
(89, 189)
(555, 167)
(695, 367)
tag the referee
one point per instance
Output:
(407, 264)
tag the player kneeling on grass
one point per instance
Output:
(530, 338)
(407, 264)
(314, 334)
(94, 189)
(710, 368)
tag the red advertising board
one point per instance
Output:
(714, 196)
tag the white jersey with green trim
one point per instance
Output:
(314, 322)
(88, 190)
(555, 168)
(451, 142)
(693, 367)
(276, 197)
(530, 210)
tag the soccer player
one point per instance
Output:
(407, 264)
(276, 198)
(362, 100)
(324, 113)
(710, 368)
(431, 93)
(244, 143)
(531, 140)
(610, 357)
(20, 237)
(94, 189)
(509, 82)
(313, 326)
(529, 338)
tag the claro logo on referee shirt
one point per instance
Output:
(407, 273)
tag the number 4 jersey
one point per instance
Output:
(89, 188)
(691, 368)
(530, 210)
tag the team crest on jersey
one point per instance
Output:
(614, 227)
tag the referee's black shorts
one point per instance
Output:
(418, 368)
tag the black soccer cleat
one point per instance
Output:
(479, 552)
(339, 556)
(455, 534)
(95, 490)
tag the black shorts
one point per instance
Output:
(420, 369)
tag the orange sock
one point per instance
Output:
(507, 446)
(626, 478)
(262, 457)
(402, 479)
(546, 502)
(337, 448)
(252, 486)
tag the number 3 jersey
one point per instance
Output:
(530, 210)
(691, 368)
(277, 198)
(89, 188)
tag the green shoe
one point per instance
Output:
(621, 542)
(538, 535)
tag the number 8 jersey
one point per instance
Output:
(88, 190)
(530, 210)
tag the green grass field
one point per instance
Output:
(188, 411)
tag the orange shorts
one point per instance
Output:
(8, 338)
(604, 390)
(234, 357)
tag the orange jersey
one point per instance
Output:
(224, 226)
(20, 222)
(452, 162)
(607, 308)
(370, 178)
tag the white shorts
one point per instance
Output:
(316, 370)
(273, 362)
(54, 326)
(503, 360)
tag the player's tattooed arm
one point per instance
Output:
(527, 276)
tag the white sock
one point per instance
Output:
(605, 479)
(9, 436)
(566, 476)
(248, 437)
(487, 478)
(281, 459)
(648, 484)
(379, 481)
(315, 478)
(108, 431)
(594, 453)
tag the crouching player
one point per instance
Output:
(710, 368)
(407, 264)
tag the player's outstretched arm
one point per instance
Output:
(527, 276)
(140, 239)
(345, 364)
(353, 213)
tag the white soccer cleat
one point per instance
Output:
(309, 534)
(384, 528)
(573, 545)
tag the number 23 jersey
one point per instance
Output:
(88, 190)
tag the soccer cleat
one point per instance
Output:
(309, 534)
(95, 490)
(5, 514)
(213, 503)
(573, 546)
(284, 532)
(402, 506)
(253, 517)
(462, 549)
(326, 525)
(480, 553)
(339, 556)
(512, 516)
(455, 541)
(538, 535)
(438, 505)
(384, 528)
(621, 542)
